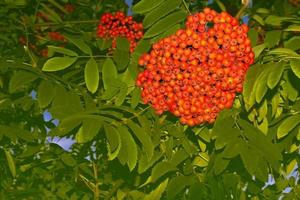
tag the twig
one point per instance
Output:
(186, 7)
(96, 190)
(221, 5)
(65, 22)
(241, 11)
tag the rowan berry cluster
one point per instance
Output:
(119, 25)
(196, 72)
(56, 36)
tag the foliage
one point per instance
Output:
(122, 149)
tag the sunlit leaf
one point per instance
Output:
(20, 79)
(11, 163)
(58, 63)
(146, 6)
(91, 75)
(160, 11)
(46, 92)
(165, 23)
(295, 65)
(287, 125)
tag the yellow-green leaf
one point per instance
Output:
(165, 23)
(157, 193)
(145, 6)
(58, 63)
(287, 125)
(45, 93)
(91, 75)
(109, 72)
(275, 74)
(128, 147)
(295, 65)
(162, 10)
(11, 163)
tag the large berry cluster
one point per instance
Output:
(196, 72)
(120, 25)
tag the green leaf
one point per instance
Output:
(88, 130)
(289, 88)
(128, 147)
(264, 126)
(121, 96)
(51, 14)
(287, 126)
(249, 84)
(262, 144)
(45, 93)
(121, 59)
(167, 33)
(220, 164)
(283, 51)
(276, 20)
(121, 54)
(123, 44)
(135, 97)
(65, 103)
(275, 74)
(159, 170)
(272, 38)
(114, 141)
(58, 63)
(275, 103)
(201, 161)
(159, 12)
(177, 184)
(293, 27)
(249, 158)
(295, 65)
(91, 75)
(20, 79)
(259, 19)
(179, 157)
(145, 163)
(11, 163)
(261, 85)
(263, 11)
(262, 111)
(109, 72)
(68, 159)
(80, 44)
(145, 6)
(157, 193)
(110, 92)
(62, 50)
(259, 49)
(30, 151)
(103, 43)
(165, 23)
(253, 36)
(143, 137)
(293, 43)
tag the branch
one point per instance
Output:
(243, 8)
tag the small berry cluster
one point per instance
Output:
(294, 2)
(196, 72)
(56, 36)
(119, 25)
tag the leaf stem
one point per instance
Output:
(186, 7)
(54, 78)
(95, 56)
(221, 5)
(243, 8)
(96, 189)
(65, 22)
